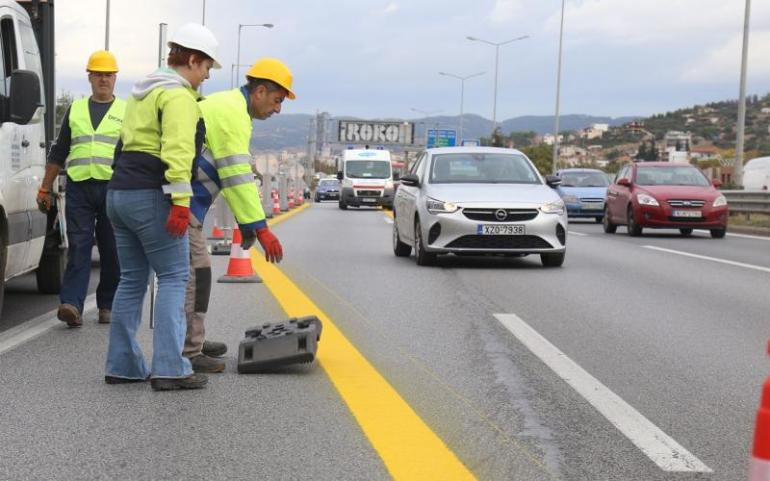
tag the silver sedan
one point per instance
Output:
(477, 201)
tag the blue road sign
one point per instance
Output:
(445, 138)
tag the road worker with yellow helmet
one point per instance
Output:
(148, 202)
(85, 147)
(225, 166)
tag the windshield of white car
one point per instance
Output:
(684, 175)
(482, 168)
(367, 169)
(584, 179)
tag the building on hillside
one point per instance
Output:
(593, 132)
(635, 127)
(702, 153)
(549, 139)
(676, 147)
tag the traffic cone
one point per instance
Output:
(276, 203)
(239, 268)
(291, 198)
(300, 197)
(217, 233)
(759, 469)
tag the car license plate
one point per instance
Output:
(591, 206)
(495, 229)
(687, 213)
(365, 199)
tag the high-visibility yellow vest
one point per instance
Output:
(92, 151)
(228, 133)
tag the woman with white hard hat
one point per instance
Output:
(148, 204)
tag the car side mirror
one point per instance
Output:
(411, 180)
(25, 96)
(553, 181)
(716, 183)
(625, 182)
(340, 176)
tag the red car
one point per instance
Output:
(664, 195)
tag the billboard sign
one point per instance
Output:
(375, 132)
(445, 138)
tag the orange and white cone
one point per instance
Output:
(276, 203)
(759, 468)
(239, 268)
(291, 199)
(217, 233)
(299, 197)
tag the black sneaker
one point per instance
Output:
(204, 363)
(193, 381)
(214, 348)
(122, 380)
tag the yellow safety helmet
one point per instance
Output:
(274, 70)
(102, 61)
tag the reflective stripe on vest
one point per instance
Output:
(92, 151)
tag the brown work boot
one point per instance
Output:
(105, 316)
(69, 314)
(204, 363)
(214, 348)
(193, 381)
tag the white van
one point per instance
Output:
(366, 178)
(756, 174)
(29, 239)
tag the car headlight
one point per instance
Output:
(719, 201)
(439, 206)
(571, 199)
(645, 199)
(555, 207)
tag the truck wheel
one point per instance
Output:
(343, 205)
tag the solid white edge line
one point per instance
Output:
(651, 440)
(742, 236)
(16, 336)
(707, 258)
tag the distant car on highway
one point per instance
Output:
(327, 189)
(665, 195)
(583, 192)
(478, 201)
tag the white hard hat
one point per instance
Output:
(196, 37)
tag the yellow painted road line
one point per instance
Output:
(410, 450)
(284, 216)
(389, 213)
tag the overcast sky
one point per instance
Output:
(373, 59)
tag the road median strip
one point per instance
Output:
(410, 450)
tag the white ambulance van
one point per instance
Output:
(29, 239)
(366, 178)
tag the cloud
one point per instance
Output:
(723, 63)
(392, 7)
(505, 11)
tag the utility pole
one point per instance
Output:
(107, 28)
(738, 168)
(558, 95)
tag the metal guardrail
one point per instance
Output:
(748, 202)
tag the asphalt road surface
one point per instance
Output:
(639, 359)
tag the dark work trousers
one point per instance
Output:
(85, 212)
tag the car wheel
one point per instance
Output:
(552, 259)
(609, 227)
(634, 229)
(598, 219)
(718, 233)
(399, 248)
(686, 232)
(422, 257)
(343, 205)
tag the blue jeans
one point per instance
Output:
(139, 221)
(86, 214)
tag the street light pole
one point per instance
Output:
(238, 53)
(107, 28)
(738, 169)
(558, 95)
(462, 94)
(497, 46)
(426, 113)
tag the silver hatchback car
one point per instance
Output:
(476, 201)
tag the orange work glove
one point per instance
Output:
(178, 220)
(270, 244)
(44, 200)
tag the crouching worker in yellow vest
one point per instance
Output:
(225, 167)
(85, 146)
